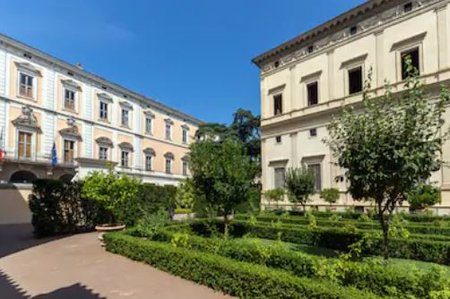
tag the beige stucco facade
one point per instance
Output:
(372, 36)
(47, 101)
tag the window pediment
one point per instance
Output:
(105, 97)
(185, 158)
(354, 61)
(126, 146)
(149, 113)
(71, 133)
(168, 121)
(71, 84)
(28, 67)
(126, 105)
(104, 141)
(27, 120)
(169, 156)
(150, 151)
(277, 89)
(409, 41)
(185, 127)
(309, 77)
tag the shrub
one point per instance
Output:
(300, 185)
(374, 275)
(424, 196)
(330, 195)
(59, 208)
(227, 275)
(152, 198)
(274, 195)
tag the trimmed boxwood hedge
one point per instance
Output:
(338, 239)
(236, 278)
(415, 228)
(376, 276)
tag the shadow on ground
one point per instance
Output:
(11, 290)
(18, 237)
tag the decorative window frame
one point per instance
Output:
(29, 70)
(315, 160)
(399, 47)
(149, 152)
(347, 66)
(68, 84)
(185, 129)
(149, 115)
(126, 147)
(272, 93)
(168, 157)
(282, 163)
(107, 99)
(185, 161)
(33, 133)
(104, 142)
(168, 122)
(75, 148)
(309, 79)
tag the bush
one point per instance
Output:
(338, 239)
(424, 196)
(236, 278)
(382, 279)
(59, 208)
(330, 195)
(152, 198)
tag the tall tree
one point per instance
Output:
(246, 127)
(222, 175)
(213, 131)
(392, 146)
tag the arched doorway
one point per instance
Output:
(23, 177)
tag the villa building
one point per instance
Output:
(306, 80)
(60, 121)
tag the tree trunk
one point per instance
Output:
(385, 227)
(225, 223)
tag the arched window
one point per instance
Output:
(23, 177)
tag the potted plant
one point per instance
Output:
(116, 194)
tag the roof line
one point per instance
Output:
(301, 39)
(98, 79)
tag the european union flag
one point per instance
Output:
(54, 155)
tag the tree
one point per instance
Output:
(300, 185)
(424, 196)
(222, 175)
(246, 127)
(392, 146)
(275, 195)
(185, 195)
(213, 131)
(330, 195)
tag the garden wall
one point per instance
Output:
(14, 203)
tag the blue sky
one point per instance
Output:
(192, 55)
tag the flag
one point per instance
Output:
(2, 151)
(54, 155)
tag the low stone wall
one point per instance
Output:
(14, 203)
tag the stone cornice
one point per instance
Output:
(372, 14)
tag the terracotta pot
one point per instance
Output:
(104, 228)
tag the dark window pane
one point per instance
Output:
(279, 177)
(355, 80)
(413, 54)
(313, 93)
(278, 104)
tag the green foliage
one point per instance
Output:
(330, 195)
(153, 198)
(225, 274)
(185, 195)
(59, 208)
(222, 175)
(274, 195)
(300, 185)
(115, 193)
(424, 196)
(392, 146)
(149, 224)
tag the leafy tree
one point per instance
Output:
(246, 127)
(330, 195)
(390, 147)
(222, 175)
(213, 131)
(275, 195)
(117, 194)
(300, 185)
(424, 196)
(185, 195)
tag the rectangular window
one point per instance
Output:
(353, 30)
(185, 168)
(148, 125)
(69, 148)
(355, 80)
(69, 99)
(278, 104)
(310, 49)
(103, 110)
(313, 93)
(103, 153)
(24, 145)
(407, 7)
(412, 54)
(279, 177)
(313, 132)
(168, 132)
(185, 136)
(168, 166)
(124, 161)
(148, 162)
(278, 139)
(26, 85)
(125, 117)
(316, 169)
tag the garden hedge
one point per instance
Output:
(415, 228)
(236, 278)
(338, 239)
(376, 276)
